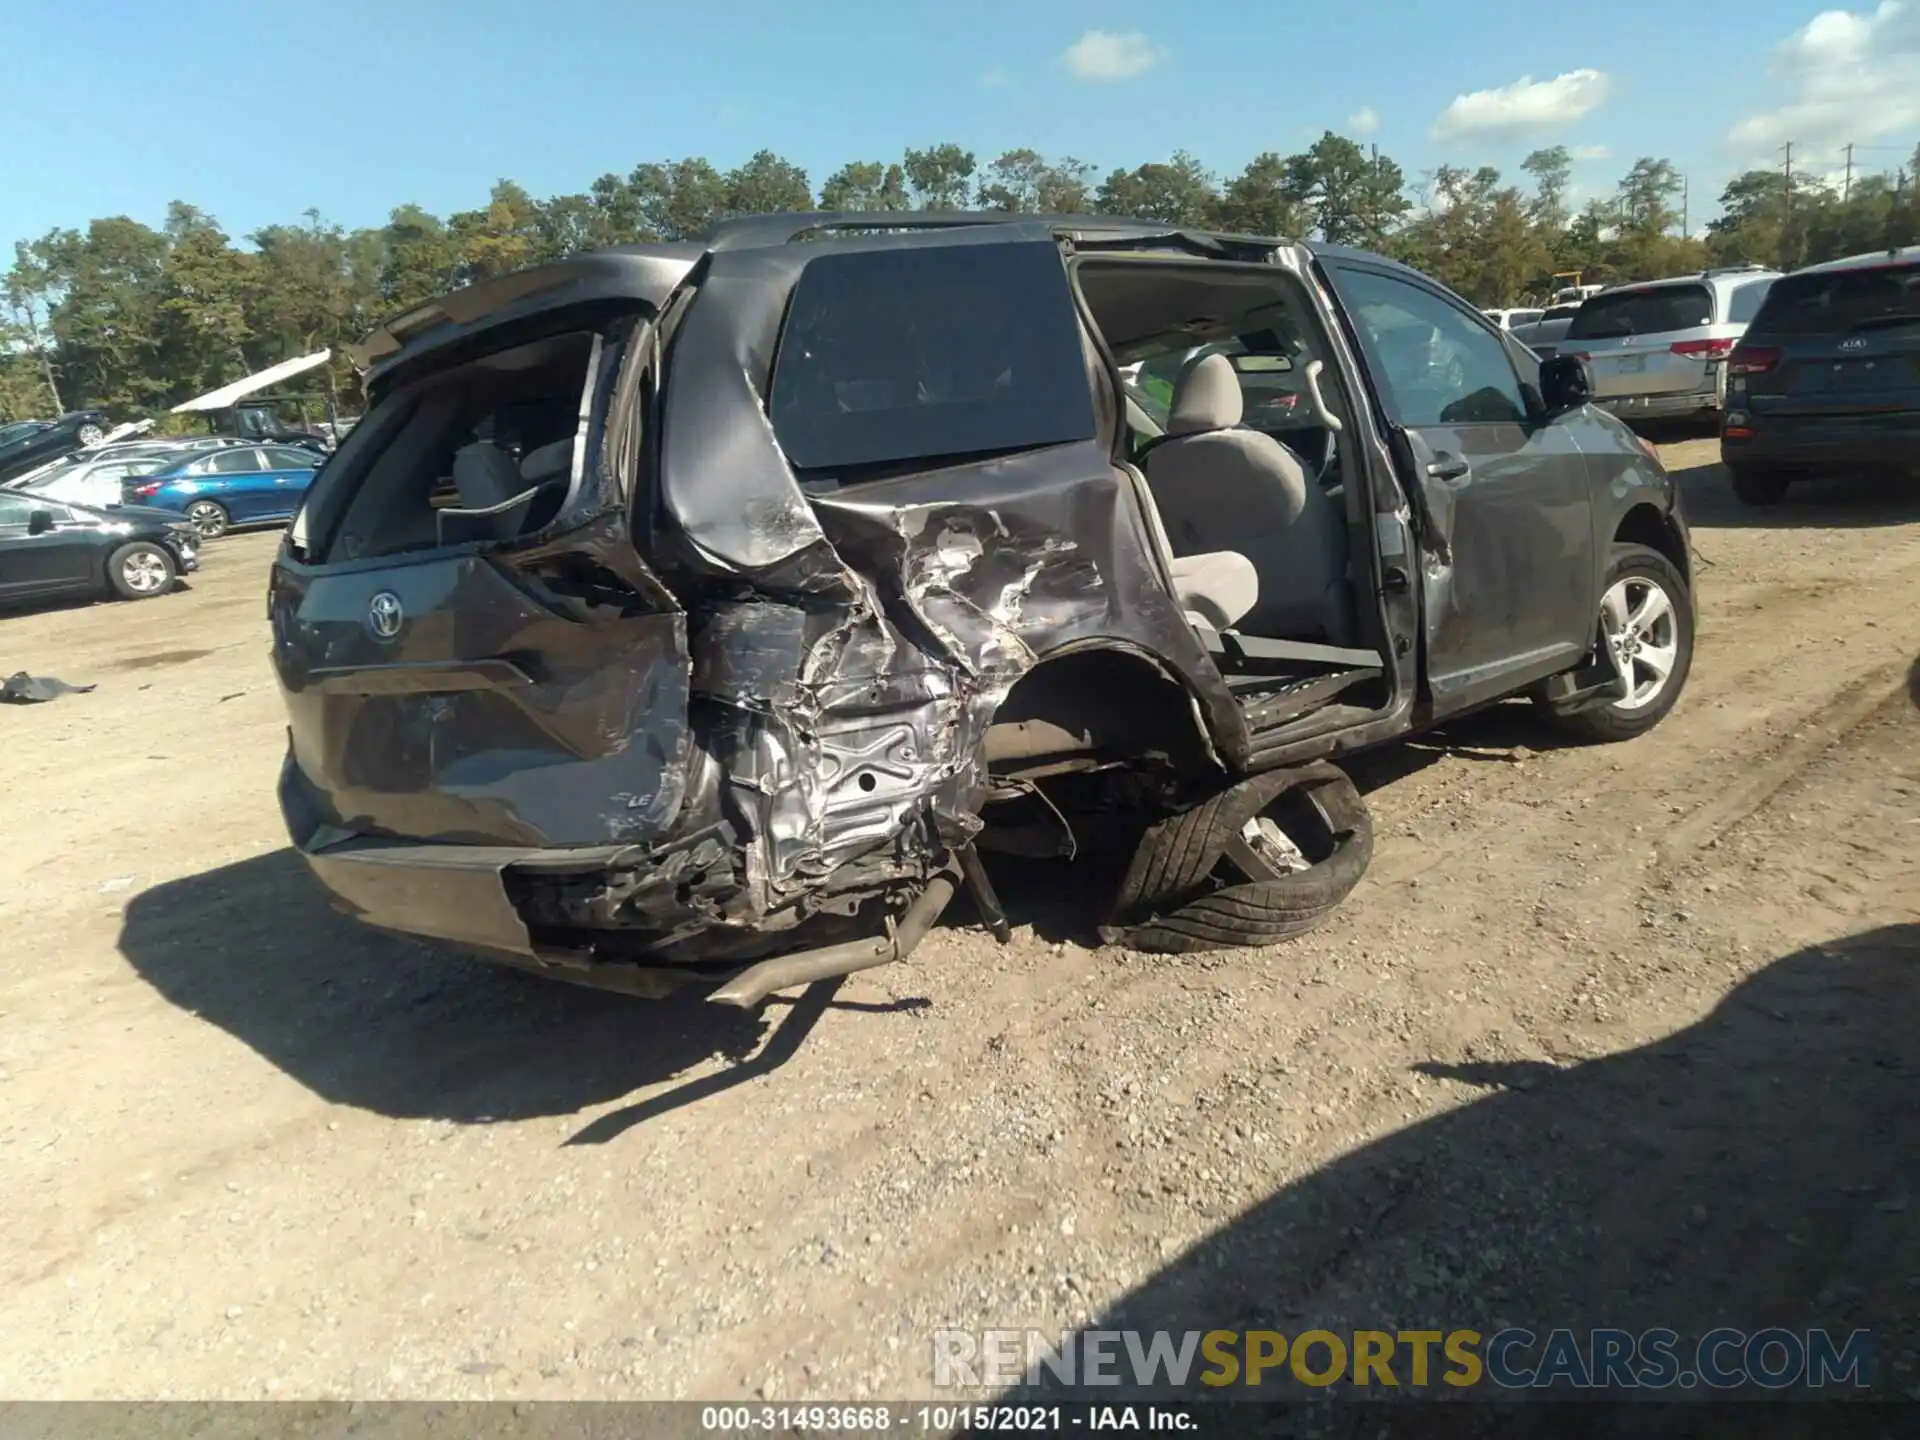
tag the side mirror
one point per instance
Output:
(1564, 384)
(39, 522)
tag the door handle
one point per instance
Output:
(1448, 467)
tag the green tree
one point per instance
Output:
(866, 185)
(1024, 182)
(1257, 201)
(420, 260)
(1354, 197)
(680, 200)
(941, 177)
(1179, 192)
(767, 185)
(30, 298)
(1552, 172)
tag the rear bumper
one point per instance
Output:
(452, 893)
(1689, 402)
(1886, 443)
(548, 907)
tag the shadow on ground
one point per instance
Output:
(414, 1032)
(1854, 502)
(1756, 1169)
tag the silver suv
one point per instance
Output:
(1659, 348)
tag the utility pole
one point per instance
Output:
(1786, 228)
(1846, 185)
(1686, 232)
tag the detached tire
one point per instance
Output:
(1197, 882)
(1646, 605)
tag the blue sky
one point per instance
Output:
(256, 112)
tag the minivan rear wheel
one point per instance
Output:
(1758, 487)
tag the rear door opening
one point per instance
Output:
(472, 652)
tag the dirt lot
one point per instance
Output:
(1607, 1036)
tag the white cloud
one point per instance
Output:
(1526, 105)
(1364, 122)
(995, 79)
(1107, 55)
(1591, 152)
(1846, 77)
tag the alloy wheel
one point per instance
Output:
(144, 572)
(1643, 636)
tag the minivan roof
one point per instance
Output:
(650, 272)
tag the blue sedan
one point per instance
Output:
(231, 487)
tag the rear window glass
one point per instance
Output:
(918, 354)
(1745, 301)
(481, 452)
(1838, 300)
(1643, 312)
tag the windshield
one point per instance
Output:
(1619, 313)
(1840, 300)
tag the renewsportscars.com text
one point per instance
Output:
(1511, 1358)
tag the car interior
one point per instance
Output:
(1235, 425)
(482, 452)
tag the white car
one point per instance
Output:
(90, 477)
(1509, 319)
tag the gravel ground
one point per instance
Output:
(1608, 1035)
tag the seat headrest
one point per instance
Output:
(485, 476)
(1205, 397)
(548, 462)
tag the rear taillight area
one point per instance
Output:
(143, 492)
(1703, 349)
(1753, 359)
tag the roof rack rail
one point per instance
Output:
(1713, 270)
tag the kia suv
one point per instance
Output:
(1827, 377)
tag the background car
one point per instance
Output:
(1513, 319)
(92, 477)
(233, 486)
(28, 444)
(1659, 349)
(1827, 376)
(48, 548)
(1543, 335)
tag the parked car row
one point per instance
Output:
(217, 483)
(1818, 370)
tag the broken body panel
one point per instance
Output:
(712, 708)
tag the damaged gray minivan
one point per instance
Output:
(699, 612)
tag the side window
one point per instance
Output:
(1745, 302)
(286, 458)
(233, 462)
(15, 509)
(1434, 365)
(924, 353)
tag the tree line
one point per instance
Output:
(134, 319)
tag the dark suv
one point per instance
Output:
(1827, 378)
(700, 611)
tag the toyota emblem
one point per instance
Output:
(384, 615)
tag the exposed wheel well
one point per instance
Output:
(1645, 525)
(1109, 703)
